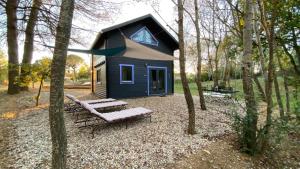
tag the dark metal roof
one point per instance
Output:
(108, 29)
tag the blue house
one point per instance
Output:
(145, 65)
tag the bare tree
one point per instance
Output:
(184, 81)
(195, 21)
(56, 108)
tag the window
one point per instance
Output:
(144, 36)
(126, 74)
(98, 73)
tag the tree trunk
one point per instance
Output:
(74, 75)
(56, 108)
(226, 76)
(270, 37)
(12, 43)
(39, 92)
(216, 72)
(199, 82)
(28, 44)
(278, 96)
(250, 127)
(261, 53)
(186, 89)
(260, 88)
(285, 83)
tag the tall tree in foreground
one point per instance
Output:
(28, 44)
(56, 108)
(250, 126)
(12, 43)
(186, 89)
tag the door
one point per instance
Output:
(157, 81)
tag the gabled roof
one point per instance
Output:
(118, 26)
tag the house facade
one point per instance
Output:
(143, 68)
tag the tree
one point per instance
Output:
(184, 81)
(12, 43)
(56, 108)
(195, 21)
(28, 45)
(3, 67)
(73, 62)
(250, 126)
(41, 68)
(83, 72)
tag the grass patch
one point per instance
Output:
(238, 85)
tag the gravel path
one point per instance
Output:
(142, 145)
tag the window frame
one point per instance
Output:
(121, 74)
(98, 81)
(144, 42)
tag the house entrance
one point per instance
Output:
(157, 81)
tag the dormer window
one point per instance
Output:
(144, 36)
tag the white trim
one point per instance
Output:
(144, 41)
(126, 82)
(166, 78)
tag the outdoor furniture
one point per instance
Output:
(121, 115)
(97, 104)
(108, 105)
(73, 98)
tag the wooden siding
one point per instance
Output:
(100, 87)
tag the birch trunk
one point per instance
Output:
(56, 108)
(186, 89)
(12, 43)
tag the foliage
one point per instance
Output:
(40, 71)
(73, 62)
(83, 72)
(3, 67)
(41, 68)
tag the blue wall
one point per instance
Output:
(140, 86)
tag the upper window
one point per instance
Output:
(144, 36)
(126, 74)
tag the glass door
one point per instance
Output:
(157, 83)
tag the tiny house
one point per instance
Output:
(143, 67)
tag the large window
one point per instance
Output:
(126, 74)
(98, 74)
(144, 36)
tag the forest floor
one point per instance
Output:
(218, 147)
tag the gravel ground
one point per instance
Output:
(144, 144)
